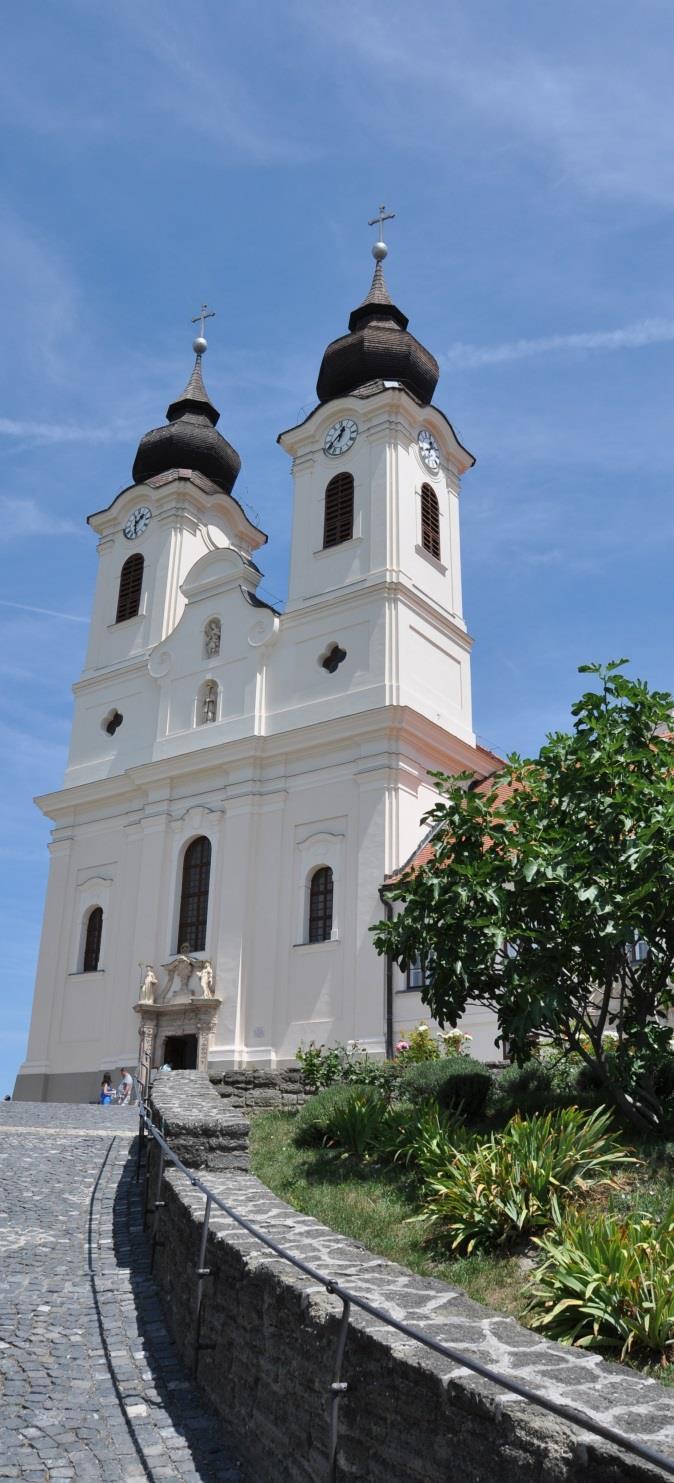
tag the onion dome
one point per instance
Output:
(378, 347)
(189, 441)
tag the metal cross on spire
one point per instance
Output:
(383, 216)
(200, 318)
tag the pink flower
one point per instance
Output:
(402, 1045)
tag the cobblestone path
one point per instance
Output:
(90, 1384)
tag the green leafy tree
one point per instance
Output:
(550, 894)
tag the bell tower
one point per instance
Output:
(178, 508)
(377, 471)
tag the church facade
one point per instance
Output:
(241, 782)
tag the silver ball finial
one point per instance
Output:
(201, 343)
(380, 250)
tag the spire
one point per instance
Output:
(190, 440)
(195, 397)
(378, 346)
(379, 293)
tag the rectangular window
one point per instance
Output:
(420, 973)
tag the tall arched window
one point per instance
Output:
(320, 905)
(194, 896)
(338, 522)
(430, 521)
(130, 587)
(92, 940)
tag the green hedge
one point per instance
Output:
(456, 1081)
(529, 1088)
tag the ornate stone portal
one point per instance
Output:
(184, 1008)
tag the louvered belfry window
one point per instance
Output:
(430, 521)
(194, 896)
(130, 587)
(320, 905)
(92, 941)
(338, 524)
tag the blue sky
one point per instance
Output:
(157, 155)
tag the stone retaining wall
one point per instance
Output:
(204, 1134)
(408, 1416)
(259, 1090)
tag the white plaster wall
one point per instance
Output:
(301, 767)
(388, 473)
(354, 804)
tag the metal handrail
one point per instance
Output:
(353, 1300)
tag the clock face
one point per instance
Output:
(340, 437)
(429, 450)
(137, 522)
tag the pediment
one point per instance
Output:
(216, 572)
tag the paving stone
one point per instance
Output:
(92, 1386)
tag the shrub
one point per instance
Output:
(528, 1088)
(331, 1065)
(517, 1182)
(607, 1283)
(664, 1076)
(421, 1137)
(456, 1081)
(355, 1123)
(313, 1119)
(349, 1116)
(418, 1045)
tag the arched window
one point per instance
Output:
(92, 940)
(338, 522)
(194, 896)
(430, 521)
(130, 587)
(320, 905)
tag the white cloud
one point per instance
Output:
(24, 517)
(630, 337)
(62, 432)
(23, 607)
(592, 100)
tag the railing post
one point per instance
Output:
(201, 1273)
(158, 1205)
(141, 1144)
(338, 1388)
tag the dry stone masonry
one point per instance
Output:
(409, 1416)
(259, 1090)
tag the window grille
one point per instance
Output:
(92, 941)
(320, 905)
(130, 587)
(338, 523)
(430, 521)
(194, 896)
(420, 973)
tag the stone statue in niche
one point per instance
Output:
(212, 633)
(181, 969)
(209, 702)
(184, 968)
(206, 977)
(149, 985)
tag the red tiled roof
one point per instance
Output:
(424, 850)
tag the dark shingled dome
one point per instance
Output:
(378, 347)
(189, 441)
